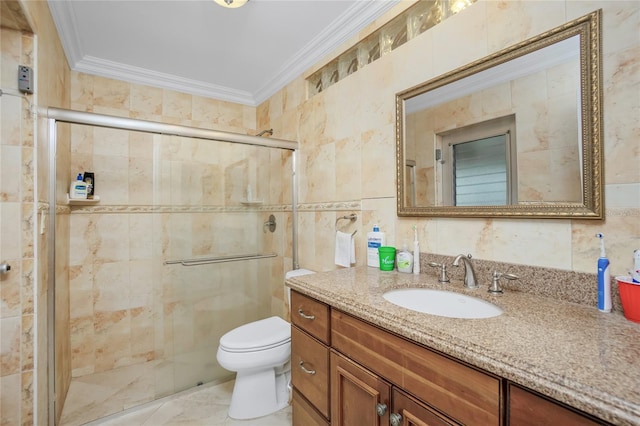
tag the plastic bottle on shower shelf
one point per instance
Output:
(375, 239)
(78, 188)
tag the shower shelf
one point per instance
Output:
(81, 201)
(252, 203)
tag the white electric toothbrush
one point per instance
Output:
(416, 251)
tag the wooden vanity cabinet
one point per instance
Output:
(526, 408)
(347, 372)
(461, 393)
(310, 339)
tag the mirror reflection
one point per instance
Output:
(513, 134)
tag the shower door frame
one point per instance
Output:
(55, 115)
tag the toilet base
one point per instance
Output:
(259, 393)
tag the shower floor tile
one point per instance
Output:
(206, 405)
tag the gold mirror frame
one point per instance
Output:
(588, 28)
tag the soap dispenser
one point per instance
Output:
(405, 259)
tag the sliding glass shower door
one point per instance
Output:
(173, 255)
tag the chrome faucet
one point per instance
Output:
(469, 273)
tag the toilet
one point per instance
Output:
(260, 354)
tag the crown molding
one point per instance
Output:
(360, 14)
(119, 71)
(65, 22)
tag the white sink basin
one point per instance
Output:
(442, 303)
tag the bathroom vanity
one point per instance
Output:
(358, 359)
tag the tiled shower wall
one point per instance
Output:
(17, 318)
(23, 307)
(347, 136)
(168, 198)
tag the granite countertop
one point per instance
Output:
(568, 351)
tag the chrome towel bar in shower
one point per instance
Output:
(219, 259)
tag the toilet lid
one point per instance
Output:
(257, 335)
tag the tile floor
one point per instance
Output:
(205, 405)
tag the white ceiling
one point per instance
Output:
(241, 55)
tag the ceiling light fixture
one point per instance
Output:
(231, 4)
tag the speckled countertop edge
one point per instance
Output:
(570, 352)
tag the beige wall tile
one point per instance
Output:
(10, 398)
(547, 242)
(520, 20)
(11, 172)
(10, 349)
(176, 105)
(146, 102)
(10, 132)
(26, 343)
(461, 32)
(10, 294)
(621, 79)
(110, 94)
(376, 145)
(27, 398)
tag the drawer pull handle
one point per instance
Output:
(381, 409)
(395, 419)
(305, 316)
(312, 372)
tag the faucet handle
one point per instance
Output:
(495, 287)
(443, 271)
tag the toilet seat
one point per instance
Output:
(257, 336)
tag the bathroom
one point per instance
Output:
(345, 166)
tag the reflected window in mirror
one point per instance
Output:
(478, 164)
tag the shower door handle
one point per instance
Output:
(4, 268)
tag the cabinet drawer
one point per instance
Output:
(463, 393)
(310, 355)
(303, 413)
(310, 315)
(414, 412)
(529, 409)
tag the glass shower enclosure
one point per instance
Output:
(188, 235)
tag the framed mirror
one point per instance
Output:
(515, 134)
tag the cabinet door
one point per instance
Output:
(529, 409)
(358, 397)
(407, 411)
